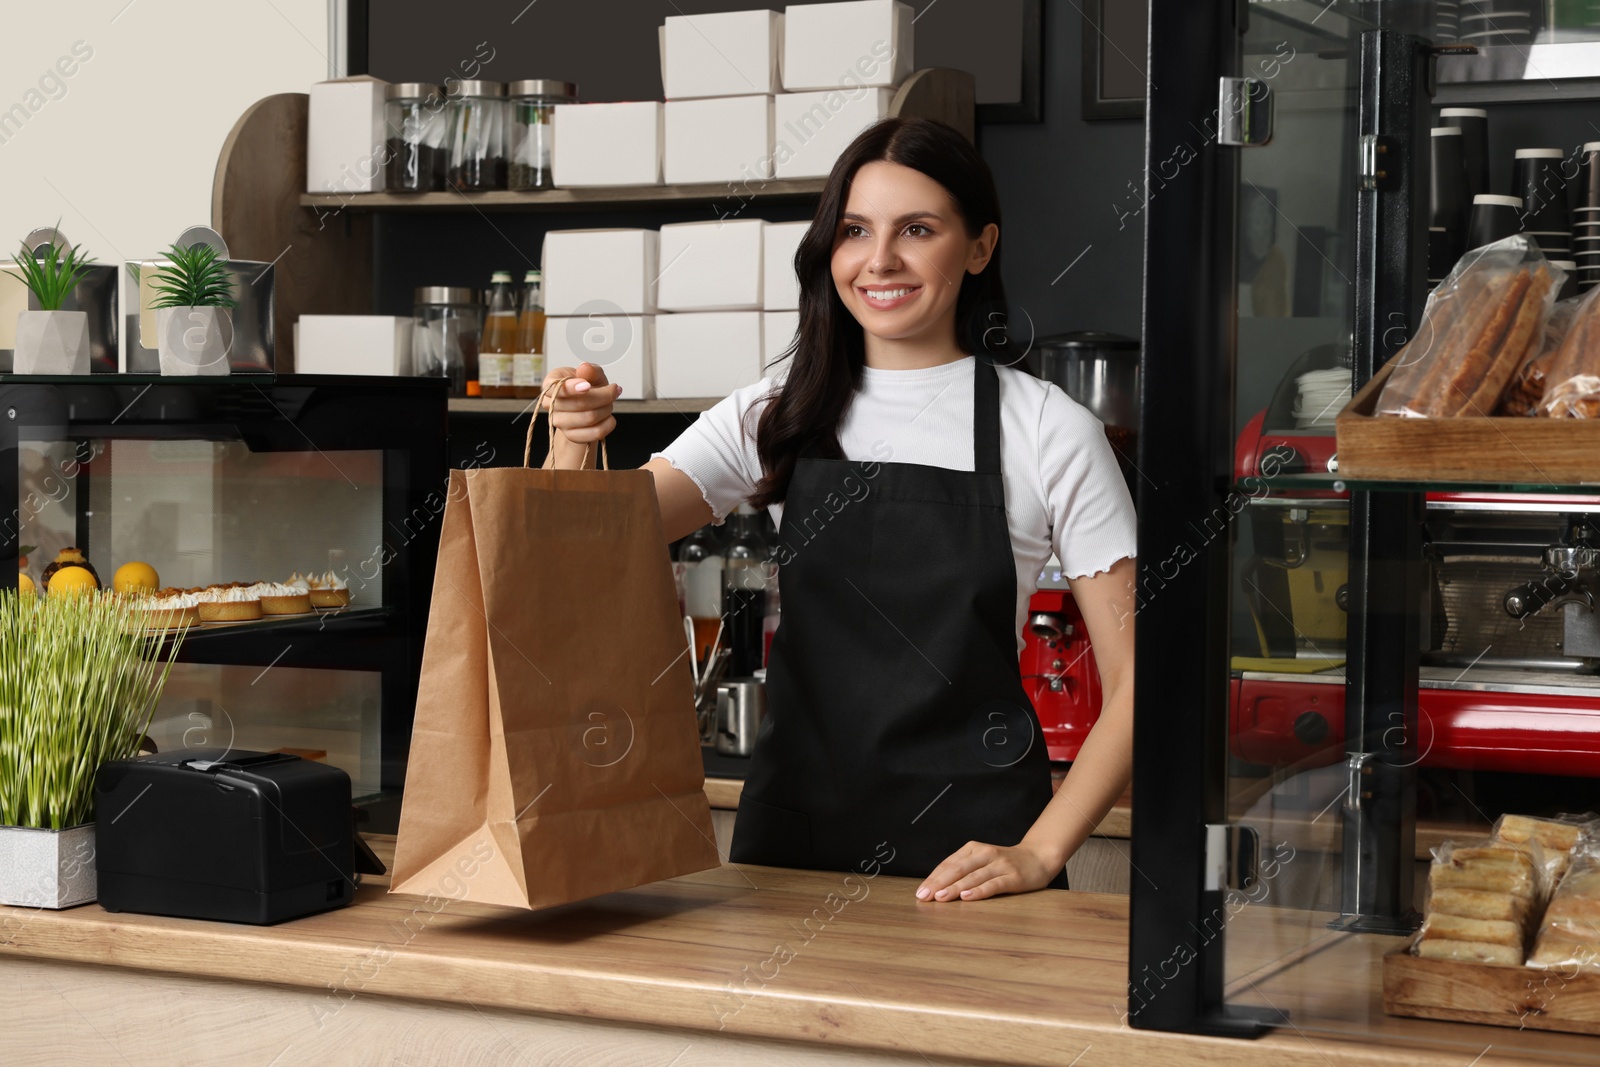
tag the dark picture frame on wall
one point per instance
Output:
(1030, 108)
(1115, 42)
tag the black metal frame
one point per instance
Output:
(1387, 591)
(403, 417)
(1186, 400)
(1176, 948)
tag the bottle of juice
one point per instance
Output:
(499, 342)
(528, 364)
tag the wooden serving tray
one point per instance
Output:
(1518, 997)
(1524, 451)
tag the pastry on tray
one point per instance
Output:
(329, 591)
(170, 609)
(284, 598)
(1557, 837)
(229, 603)
(1479, 901)
(1569, 934)
(1482, 327)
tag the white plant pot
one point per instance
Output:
(46, 868)
(193, 340)
(52, 342)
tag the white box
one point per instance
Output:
(777, 332)
(780, 286)
(710, 266)
(607, 144)
(707, 353)
(811, 130)
(353, 344)
(608, 270)
(345, 138)
(726, 139)
(731, 54)
(622, 345)
(867, 42)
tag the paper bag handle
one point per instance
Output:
(552, 389)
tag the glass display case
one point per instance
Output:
(222, 481)
(1330, 678)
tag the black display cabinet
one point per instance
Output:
(243, 479)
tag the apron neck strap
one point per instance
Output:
(985, 417)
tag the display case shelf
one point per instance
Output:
(770, 190)
(1333, 483)
(350, 639)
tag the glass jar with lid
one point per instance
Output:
(477, 136)
(414, 115)
(532, 105)
(446, 324)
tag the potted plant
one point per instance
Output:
(79, 681)
(193, 328)
(49, 340)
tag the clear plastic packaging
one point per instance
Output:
(1527, 392)
(1569, 933)
(1573, 378)
(1479, 328)
(1482, 897)
(1557, 836)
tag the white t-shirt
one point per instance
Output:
(1064, 491)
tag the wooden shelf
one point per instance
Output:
(478, 406)
(735, 193)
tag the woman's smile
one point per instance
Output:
(888, 297)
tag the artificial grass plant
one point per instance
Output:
(79, 681)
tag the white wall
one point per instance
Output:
(123, 150)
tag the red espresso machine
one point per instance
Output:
(1510, 664)
(1510, 669)
(1101, 372)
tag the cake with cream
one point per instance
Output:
(329, 591)
(229, 603)
(170, 609)
(284, 598)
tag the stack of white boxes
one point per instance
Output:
(600, 303)
(697, 310)
(750, 96)
(781, 292)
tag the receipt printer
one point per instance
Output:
(249, 837)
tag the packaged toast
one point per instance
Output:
(1479, 328)
(1573, 376)
(1557, 836)
(1525, 396)
(1481, 897)
(1569, 933)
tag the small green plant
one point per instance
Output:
(51, 277)
(196, 277)
(79, 681)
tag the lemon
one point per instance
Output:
(69, 580)
(25, 584)
(135, 577)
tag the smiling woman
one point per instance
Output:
(920, 484)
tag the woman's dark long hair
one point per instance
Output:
(830, 349)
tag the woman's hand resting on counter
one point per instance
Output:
(977, 870)
(580, 411)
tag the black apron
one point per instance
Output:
(897, 725)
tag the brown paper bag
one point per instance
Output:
(555, 754)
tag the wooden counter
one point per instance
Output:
(694, 964)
